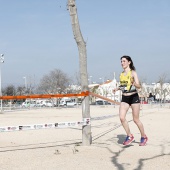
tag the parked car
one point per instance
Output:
(49, 104)
(71, 103)
(67, 102)
(28, 104)
(44, 103)
(102, 102)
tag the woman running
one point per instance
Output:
(129, 83)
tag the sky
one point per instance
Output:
(36, 37)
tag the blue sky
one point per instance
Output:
(36, 37)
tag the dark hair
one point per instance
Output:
(132, 67)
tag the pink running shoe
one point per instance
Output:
(143, 141)
(128, 140)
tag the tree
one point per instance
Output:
(94, 89)
(29, 89)
(9, 90)
(54, 82)
(86, 130)
(77, 78)
(161, 81)
(20, 90)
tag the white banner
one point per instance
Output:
(85, 122)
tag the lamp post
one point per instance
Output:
(25, 81)
(1, 61)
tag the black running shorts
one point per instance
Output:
(132, 99)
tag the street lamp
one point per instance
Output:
(1, 61)
(25, 80)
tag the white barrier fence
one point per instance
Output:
(84, 122)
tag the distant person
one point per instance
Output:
(129, 83)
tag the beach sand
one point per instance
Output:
(61, 148)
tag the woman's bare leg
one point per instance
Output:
(122, 115)
(135, 113)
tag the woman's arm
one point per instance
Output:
(135, 80)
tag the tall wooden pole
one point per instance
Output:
(86, 130)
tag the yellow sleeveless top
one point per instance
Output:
(125, 83)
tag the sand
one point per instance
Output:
(61, 149)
